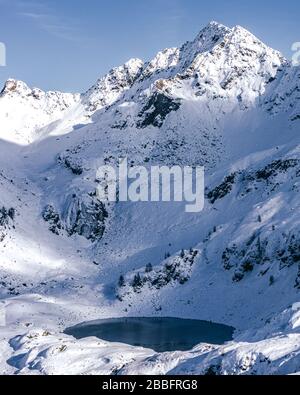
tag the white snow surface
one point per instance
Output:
(225, 101)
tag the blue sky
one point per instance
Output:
(67, 44)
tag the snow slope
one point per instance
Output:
(224, 100)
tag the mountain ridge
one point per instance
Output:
(196, 61)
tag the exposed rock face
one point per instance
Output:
(67, 160)
(7, 217)
(110, 88)
(83, 216)
(86, 217)
(156, 110)
(263, 254)
(51, 216)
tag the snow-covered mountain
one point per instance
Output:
(34, 108)
(224, 100)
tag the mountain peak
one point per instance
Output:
(215, 24)
(15, 86)
(134, 62)
(213, 27)
(209, 36)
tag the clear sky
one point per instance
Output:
(67, 44)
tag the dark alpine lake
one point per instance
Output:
(158, 334)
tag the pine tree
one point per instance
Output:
(12, 213)
(149, 268)
(260, 251)
(137, 281)
(121, 282)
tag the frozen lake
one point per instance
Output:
(159, 334)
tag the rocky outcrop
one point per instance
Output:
(84, 216)
(175, 270)
(110, 88)
(7, 217)
(156, 110)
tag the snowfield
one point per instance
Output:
(224, 101)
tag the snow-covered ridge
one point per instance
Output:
(109, 88)
(35, 109)
(230, 66)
